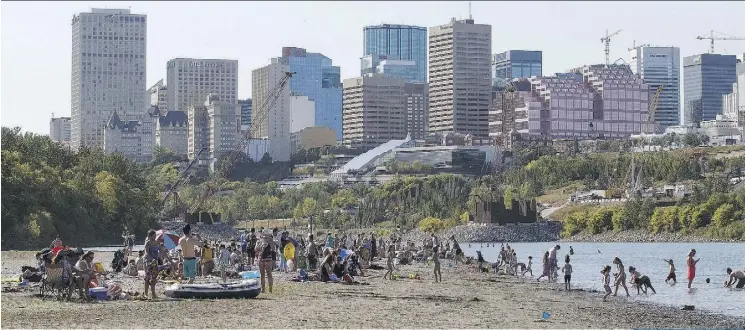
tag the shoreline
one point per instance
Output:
(641, 236)
(465, 299)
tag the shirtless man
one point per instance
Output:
(187, 243)
(736, 276)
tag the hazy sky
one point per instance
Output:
(36, 37)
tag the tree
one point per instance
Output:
(724, 215)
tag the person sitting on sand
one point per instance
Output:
(131, 269)
(85, 273)
(389, 262)
(606, 281)
(480, 261)
(640, 281)
(735, 276)
(671, 274)
(140, 262)
(67, 273)
(620, 277)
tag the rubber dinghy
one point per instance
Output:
(243, 289)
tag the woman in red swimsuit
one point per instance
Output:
(691, 266)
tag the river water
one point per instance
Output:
(647, 258)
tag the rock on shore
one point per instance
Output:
(640, 236)
(485, 233)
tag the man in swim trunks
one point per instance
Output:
(187, 243)
(736, 275)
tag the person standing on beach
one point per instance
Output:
(567, 269)
(389, 262)
(553, 265)
(188, 243)
(530, 266)
(267, 251)
(545, 267)
(436, 261)
(691, 263)
(671, 275)
(152, 255)
(620, 277)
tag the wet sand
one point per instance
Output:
(465, 299)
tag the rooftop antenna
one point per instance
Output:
(469, 11)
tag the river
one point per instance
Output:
(647, 258)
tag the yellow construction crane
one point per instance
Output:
(652, 126)
(606, 40)
(711, 37)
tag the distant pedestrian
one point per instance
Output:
(691, 263)
(567, 269)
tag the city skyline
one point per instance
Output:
(29, 43)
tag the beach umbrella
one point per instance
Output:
(168, 237)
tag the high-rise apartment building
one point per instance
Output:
(59, 129)
(198, 135)
(273, 122)
(660, 66)
(733, 104)
(108, 72)
(459, 78)
(396, 42)
(190, 80)
(374, 111)
(245, 114)
(316, 78)
(216, 125)
(516, 64)
(596, 101)
(706, 78)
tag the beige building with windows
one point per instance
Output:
(108, 72)
(190, 80)
(373, 111)
(417, 110)
(460, 78)
(272, 123)
(312, 137)
(216, 125)
(131, 138)
(59, 129)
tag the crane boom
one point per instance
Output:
(262, 112)
(711, 38)
(651, 125)
(606, 40)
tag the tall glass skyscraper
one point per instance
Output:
(516, 64)
(401, 42)
(660, 66)
(317, 78)
(706, 78)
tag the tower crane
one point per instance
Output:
(711, 38)
(635, 47)
(262, 111)
(606, 40)
(653, 127)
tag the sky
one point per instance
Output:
(36, 42)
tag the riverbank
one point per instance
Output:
(633, 236)
(488, 233)
(465, 299)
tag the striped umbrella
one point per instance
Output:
(168, 237)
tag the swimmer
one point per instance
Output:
(571, 250)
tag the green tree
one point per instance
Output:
(724, 215)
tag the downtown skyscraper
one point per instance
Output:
(460, 78)
(395, 42)
(108, 72)
(660, 66)
(707, 77)
(319, 80)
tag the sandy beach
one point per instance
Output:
(465, 299)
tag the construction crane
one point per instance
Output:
(261, 112)
(606, 40)
(635, 47)
(652, 126)
(711, 38)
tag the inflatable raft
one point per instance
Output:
(243, 289)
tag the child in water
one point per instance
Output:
(671, 275)
(436, 261)
(567, 269)
(606, 282)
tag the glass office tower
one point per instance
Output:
(317, 78)
(706, 78)
(401, 42)
(516, 64)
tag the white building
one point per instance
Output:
(225, 126)
(660, 66)
(157, 95)
(108, 71)
(190, 80)
(171, 131)
(59, 129)
(256, 148)
(460, 78)
(302, 113)
(131, 138)
(272, 123)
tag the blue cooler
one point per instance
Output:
(247, 275)
(98, 293)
